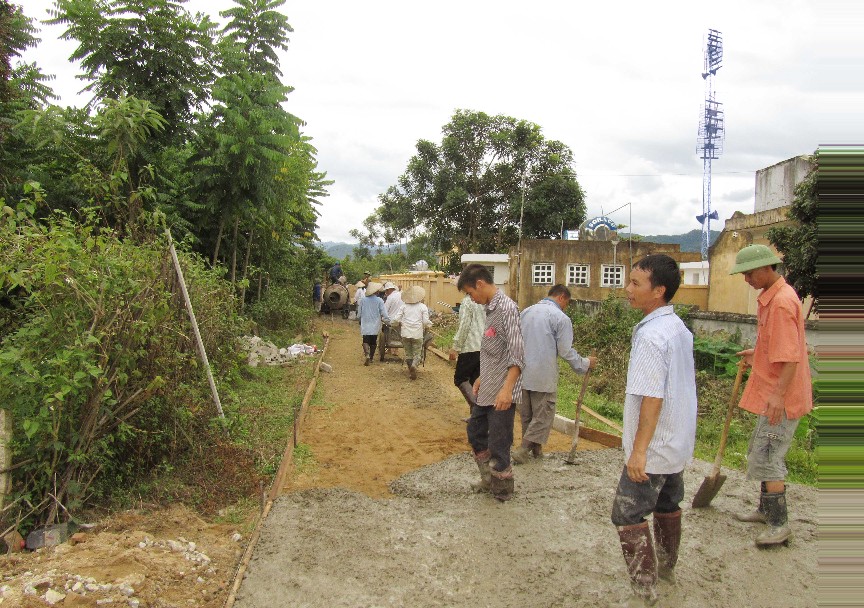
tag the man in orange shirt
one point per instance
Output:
(779, 390)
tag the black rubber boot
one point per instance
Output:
(367, 358)
(757, 516)
(778, 531)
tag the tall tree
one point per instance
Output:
(798, 242)
(260, 31)
(154, 50)
(489, 177)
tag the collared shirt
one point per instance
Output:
(413, 319)
(371, 311)
(501, 349)
(779, 339)
(548, 334)
(661, 365)
(393, 303)
(472, 324)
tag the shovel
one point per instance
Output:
(571, 457)
(713, 482)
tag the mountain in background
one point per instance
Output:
(691, 241)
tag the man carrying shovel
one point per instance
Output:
(659, 428)
(779, 390)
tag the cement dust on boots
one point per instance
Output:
(757, 516)
(525, 453)
(667, 536)
(638, 550)
(412, 369)
(485, 483)
(778, 531)
(502, 484)
(367, 357)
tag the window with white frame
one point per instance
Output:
(578, 274)
(542, 274)
(611, 276)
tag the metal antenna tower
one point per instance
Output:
(711, 133)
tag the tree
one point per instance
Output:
(154, 50)
(798, 242)
(489, 176)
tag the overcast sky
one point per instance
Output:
(618, 82)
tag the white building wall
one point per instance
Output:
(775, 185)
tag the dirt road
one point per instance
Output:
(340, 536)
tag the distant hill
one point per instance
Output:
(337, 250)
(691, 241)
(340, 250)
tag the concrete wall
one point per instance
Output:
(708, 322)
(775, 185)
(441, 292)
(594, 254)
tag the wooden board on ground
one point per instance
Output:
(568, 427)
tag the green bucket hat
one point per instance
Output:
(753, 257)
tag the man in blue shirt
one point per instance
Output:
(371, 313)
(548, 334)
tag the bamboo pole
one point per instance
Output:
(201, 350)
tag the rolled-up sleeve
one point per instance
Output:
(565, 347)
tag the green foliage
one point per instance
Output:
(716, 354)
(471, 193)
(798, 243)
(606, 334)
(154, 50)
(104, 384)
(98, 333)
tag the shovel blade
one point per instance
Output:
(708, 490)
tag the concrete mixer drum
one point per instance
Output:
(336, 299)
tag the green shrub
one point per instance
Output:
(101, 375)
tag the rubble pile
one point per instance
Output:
(262, 352)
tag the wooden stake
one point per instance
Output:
(201, 350)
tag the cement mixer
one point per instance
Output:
(336, 299)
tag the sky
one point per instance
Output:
(618, 82)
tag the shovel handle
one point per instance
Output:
(733, 401)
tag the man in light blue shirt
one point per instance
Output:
(659, 427)
(371, 313)
(548, 334)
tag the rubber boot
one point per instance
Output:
(537, 450)
(467, 391)
(502, 484)
(667, 535)
(641, 562)
(367, 358)
(412, 371)
(485, 483)
(778, 531)
(756, 516)
(521, 455)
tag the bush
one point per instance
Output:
(101, 375)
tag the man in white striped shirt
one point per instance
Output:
(499, 387)
(659, 427)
